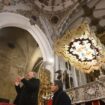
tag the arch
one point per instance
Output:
(12, 19)
(8, 19)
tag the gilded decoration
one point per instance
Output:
(45, 93)
(81, 48)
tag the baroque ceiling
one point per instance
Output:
(65, 14)
(54, 5)
(92, 12)
(61, 14)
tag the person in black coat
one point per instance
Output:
(60, 97)
(28, 93)
(18, 91)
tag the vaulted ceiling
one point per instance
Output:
(62, 14)
(54, 5)
(91, 11)
(72, 11)
(66, 14)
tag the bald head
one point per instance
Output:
(31, 74)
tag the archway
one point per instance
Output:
(19, 21)
(11, 19)
(15, 20)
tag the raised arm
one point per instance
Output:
(17, 86)
(31, 84)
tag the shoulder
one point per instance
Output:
(36, 80)
(65, 97)
(64, 94)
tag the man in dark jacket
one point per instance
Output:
(28, 93)
(60, 97)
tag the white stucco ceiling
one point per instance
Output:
(54, 5)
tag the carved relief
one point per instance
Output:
(90, 91)
(24, 7)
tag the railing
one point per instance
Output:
(89, 92)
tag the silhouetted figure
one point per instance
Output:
(60, 97)
(28, 93)
(59, 76)
(66, 79)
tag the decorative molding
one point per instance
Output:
(81, 48)
(91, 91)
(88, 10)
(22, 22)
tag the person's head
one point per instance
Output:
(31, 74)
(57, 85)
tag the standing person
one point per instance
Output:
(60, 97)
(28, 93)
(18, 91)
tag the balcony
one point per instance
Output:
(89, 92)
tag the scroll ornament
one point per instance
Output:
(81, 48)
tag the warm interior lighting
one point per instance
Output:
(82, 49)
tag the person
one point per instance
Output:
(27, 94)
(18, 91)
(60, 97)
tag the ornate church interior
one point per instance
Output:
(60, 40)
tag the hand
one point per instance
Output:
(21, 77)
(17, 83)
(18, 79)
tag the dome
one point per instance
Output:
(54, 5)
